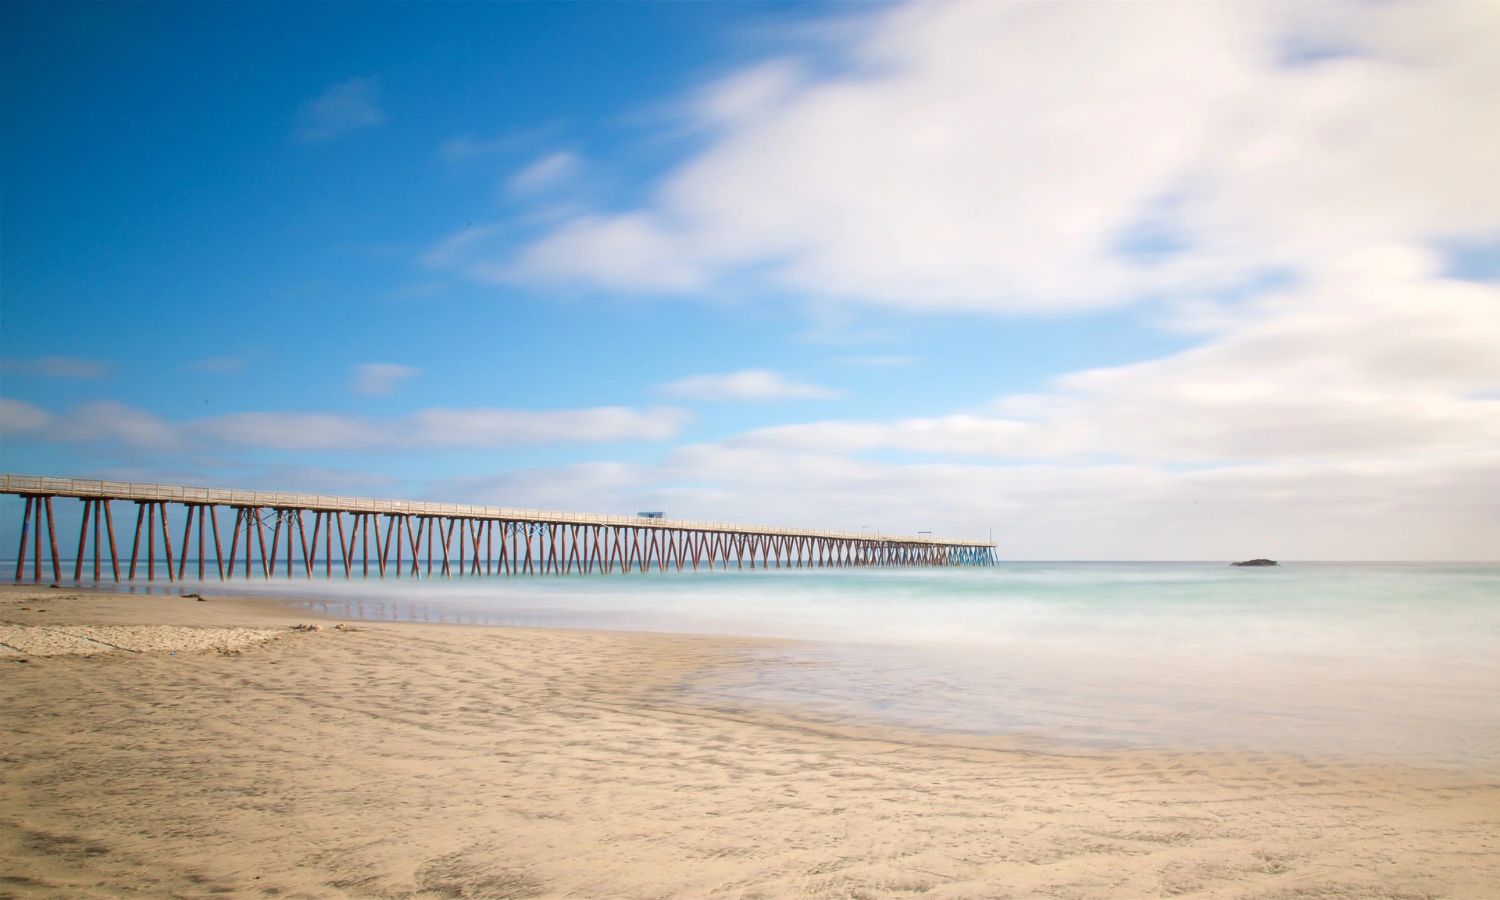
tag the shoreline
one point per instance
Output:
(412, 759)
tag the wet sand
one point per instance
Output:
(211, 749)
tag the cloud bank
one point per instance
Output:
(428, 429)
(1014, 157)
(747, 385)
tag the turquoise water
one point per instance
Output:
(1393, 661)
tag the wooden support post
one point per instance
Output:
(36, 543)
(348, 548)
(477, 529)
(397, 526)
(502, 563)
(458, 524)
(234, 540)
(338, 519)
(275, 545)
(250, 519)
(52, 540)
(109, 528)
(200, 543)
(513, 564)
(461, 525)
(293, 523)
(489, 546)
(260, 531)
(187, 534)
(83, 535)
(309, 550)
(447, 546)
(213, 521)
(151, 541)
(166, 537)
(21, 551)
(98, 551)
(413, 537)
(382, 546)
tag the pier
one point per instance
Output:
(270, 534)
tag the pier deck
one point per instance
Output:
(391, 537)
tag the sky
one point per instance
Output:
(1104, 281)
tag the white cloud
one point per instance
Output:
(631, 249)
(342, 108)
(428, 429)
(57, 367)
(453, 248)
(104, 422)
(1374, 357)
(545, 173)
(19, 417)
(511, 427)
(465, 148)
(1003, 156)
(747, 95)
(379, 379)
(746, 385)
(292, 431)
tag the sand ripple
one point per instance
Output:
(84, 640)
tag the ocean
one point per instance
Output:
(1353, 661)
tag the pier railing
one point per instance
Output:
(391, 537)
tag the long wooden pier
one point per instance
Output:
(399, 538)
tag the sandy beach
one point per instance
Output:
(167, 746)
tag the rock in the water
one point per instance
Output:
(1257, 562)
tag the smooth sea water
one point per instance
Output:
(1360, 661)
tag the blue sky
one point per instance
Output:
(928, 268)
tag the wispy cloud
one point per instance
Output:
(464, 148)
(343, 108)
(428, 429)
(104, 422)
(379, 379)
(1377, 357)
(746, 385)
(879, 361)
(947, 156)
(453, 249)
(545, 173)
(56, 367)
